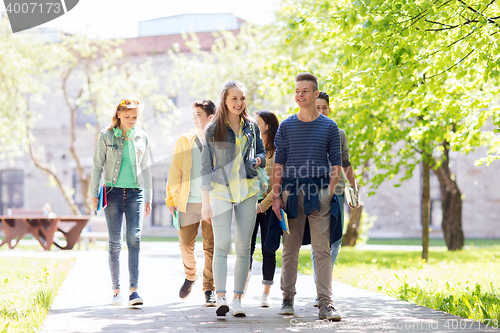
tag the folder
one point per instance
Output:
(103, 202)
(284, 222)
(175, 220)
(350, 196)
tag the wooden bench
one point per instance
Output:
(96, 228)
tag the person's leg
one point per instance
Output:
(268, 257)
(291, 247)
(134, 215)
(254, 239)
(114, 219)
(319, 223)
(244, 220)
(221, 224)
(335, 247)
(208, 249)
(187, 238)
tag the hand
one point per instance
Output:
(257, 161)
(259, 209)
(147, 209)
(206, 212)
(277, 207)
(172, 210)
(95, 201)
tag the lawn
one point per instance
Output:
(28, 287)
(464, 283)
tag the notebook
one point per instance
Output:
(350, 196)
(284, 222)
(103, 202)
(175, 220)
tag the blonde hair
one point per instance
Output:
(220, 130)
(126, 104)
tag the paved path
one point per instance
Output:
(83, 303)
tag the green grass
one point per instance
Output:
(28, 287)
(432, 242)
(464, 283)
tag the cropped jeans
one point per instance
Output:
(128, 201)
(244, 220)
(335, 247)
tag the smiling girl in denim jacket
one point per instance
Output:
(123, 152)
(229, 183)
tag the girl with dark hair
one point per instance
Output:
(268, 125)
(229, 184)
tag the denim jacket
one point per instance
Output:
(217, 163)
(108, 156)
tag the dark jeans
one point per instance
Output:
(269, 257)
(128, 201)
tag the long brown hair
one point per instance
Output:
(220, 130)
(272, 121)
(126, 104)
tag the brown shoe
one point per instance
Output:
(186, 289)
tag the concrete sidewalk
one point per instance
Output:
(83, 303)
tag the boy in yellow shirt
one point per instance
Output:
(184, 198)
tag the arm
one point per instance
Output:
(207, 165)
(260, 151)
(174, 177)
(334, 153)
(97, 167)
(279, 166)
(148, 181)
(268, 200)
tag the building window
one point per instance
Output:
(12, 187)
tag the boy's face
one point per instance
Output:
(200, 118)
(305, 96)
(322, 106)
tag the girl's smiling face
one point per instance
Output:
(236, 101)
(128, 118)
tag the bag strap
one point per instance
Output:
(198, 143)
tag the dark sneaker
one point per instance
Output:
(186, 289)
(327, 311)
(287, 306)
(134, 299)
(210, 299)
(222, 306)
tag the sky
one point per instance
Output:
(119, 18)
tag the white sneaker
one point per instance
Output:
(236, 308)
(222, 306)
(118, 299)
(265, 301)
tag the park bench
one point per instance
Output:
(96, 228)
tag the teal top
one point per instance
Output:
(195, 181)
(126, 178)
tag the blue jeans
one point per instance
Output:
(131, 202)
(335, 247)
(244, 220)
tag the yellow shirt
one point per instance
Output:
(240, 188)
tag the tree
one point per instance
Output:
(413, 79)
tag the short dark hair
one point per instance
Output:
(206, 105)
(324, 95)
(308, 77)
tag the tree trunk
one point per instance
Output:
(451, 204)
(352, 233)
(426, 209)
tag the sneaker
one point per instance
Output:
(265, 301)
(327, 311)
(186, 289)
(287, 306)
(118, 299)
(134, 299)
(222, 306)
(236, 308)
(315, 304)
(210, 299)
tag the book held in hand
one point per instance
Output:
(350, 196)
(103, 202)
(175, 220)
(284, 222)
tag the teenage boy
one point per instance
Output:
(323, 106)
(184, 199)
(307, 143)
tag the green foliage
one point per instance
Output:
(28, 289)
